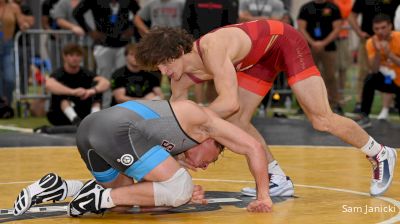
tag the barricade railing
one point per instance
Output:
(37, 53)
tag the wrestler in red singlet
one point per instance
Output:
(276, 47)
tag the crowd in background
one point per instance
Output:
(111, 28)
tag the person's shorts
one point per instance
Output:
(289, 53)
(110, 143)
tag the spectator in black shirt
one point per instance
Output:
(75, 91)
(320, 22)
(113, 31)
(202, 16)
(199, 18)
(131, 83)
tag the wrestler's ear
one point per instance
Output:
(180, 48)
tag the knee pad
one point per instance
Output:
(175, 191)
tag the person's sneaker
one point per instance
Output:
(384, 114)
(88, 199)
(363, 121)
(383, 165)
(49, 188)
(278, 186)
(76, 121)
(357, 108)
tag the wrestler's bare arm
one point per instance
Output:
(180, 89)
(217, 60)
(240, 142)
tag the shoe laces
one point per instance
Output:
(274, 179)
(377, 164)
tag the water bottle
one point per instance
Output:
(288, 104)
(261, 111)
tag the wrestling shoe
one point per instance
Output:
(383, 165)
(278, 186)
(49, 188)
(88, 199)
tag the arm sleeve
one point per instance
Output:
(134, 6)
(144, 12)
(59, 10)
(303, 15)
(79, 13)
(336, 13)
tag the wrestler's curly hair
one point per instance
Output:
(162, 44)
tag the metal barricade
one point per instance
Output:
(37, 54)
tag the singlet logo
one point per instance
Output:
(126, 159)
(167, 145)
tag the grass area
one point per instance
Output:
(29, 122)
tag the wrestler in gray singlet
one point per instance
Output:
(132, 138)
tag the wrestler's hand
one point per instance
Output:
(182, 160)
(260, 205)
(198, 195)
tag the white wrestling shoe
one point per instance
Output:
(88, 199)
(383, 165)
(278, 186)
(49, 188)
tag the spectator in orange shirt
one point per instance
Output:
(383, 51)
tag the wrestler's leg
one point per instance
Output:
(312, 96)
(249, 102)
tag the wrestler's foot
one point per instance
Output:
(278, 186)
(88, 199)
(51, 187)
(383, 165)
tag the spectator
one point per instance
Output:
(65, 20)
(113, 31)
(75, 91)
(367, 10)
(23, 45)
(202, 16)
(131, 83)
(199, 18)
(319, 21)
(383, 50)
(343, 59)
(250, 10)
(160, 13)
(48, 23)
(10, 16)
(397, 19)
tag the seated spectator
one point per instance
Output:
(75, 91)
(131, 83)
(384, 59)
